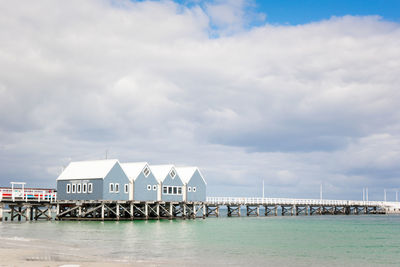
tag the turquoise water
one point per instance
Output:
(286, 241)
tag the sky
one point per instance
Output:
(295, 93)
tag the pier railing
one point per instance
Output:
(292, 201)
(7, 194)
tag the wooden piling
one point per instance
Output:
(171, 211)
(117, 211)
(28, 213)
(19, 213)
(146, 211)
(131, 210)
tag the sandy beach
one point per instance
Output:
(26, 252)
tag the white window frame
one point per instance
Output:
(154, 187)
(165, 190)
(146, 170)
(174, 190)
(179, 190)
(194, 189)
(126, 188)
(170, 190)
(189, 189)
(111, 188)
(172, 173)
(90, 188)
(84, 188)
(149, 187)
(79, 188)
(73, 191)
(116, 188)
(68, 189)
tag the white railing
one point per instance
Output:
(27, 195)
(294, 201)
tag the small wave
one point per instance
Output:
(16, 238)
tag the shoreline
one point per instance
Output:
(27, 252)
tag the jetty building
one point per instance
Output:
(170, 183)
(93, 180)
(135, 181)
(195, 184)
(143, 184)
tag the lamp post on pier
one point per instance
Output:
(263, 189)
(384, 194)
(320, 192)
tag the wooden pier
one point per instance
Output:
(128, 210)
(27, 204)
(296, 207)
(43, 205)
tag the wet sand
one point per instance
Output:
(25, 252)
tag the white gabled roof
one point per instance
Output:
(87, 169)
(186, 173)
(133, 169)
(161, 171)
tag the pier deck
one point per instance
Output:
(42, 204)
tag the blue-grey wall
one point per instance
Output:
(116, 175)
(172, 182)
(201, 188)
(140, 188)
(96, 195)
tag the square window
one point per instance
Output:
(189, 189)
(146, 171)
(172, 173)
(194, 189)
(90, 188)
(84, 188)
(165, 190)
(175, 190)
(73, 188)
(154, 187)
(126, 188)
(149, 187)
(180, 190)
(169, 189)
(111, 188)
(116, 189)
(68, 188)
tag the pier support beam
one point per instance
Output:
(194, 211)
(212, 211)
(233, 210)
(146, 211)
(28, 213)
(252, 211)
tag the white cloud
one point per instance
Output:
(294, 105)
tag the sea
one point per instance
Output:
(353, 240)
